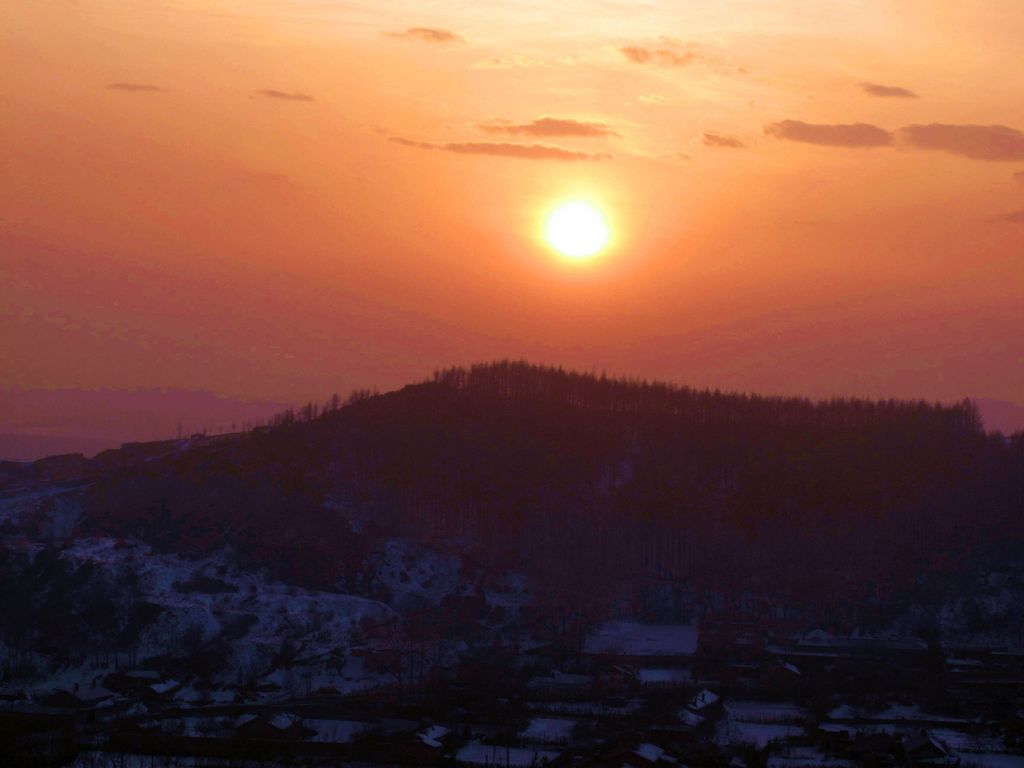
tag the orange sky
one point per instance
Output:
(284, 198)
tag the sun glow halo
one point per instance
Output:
(577, 230)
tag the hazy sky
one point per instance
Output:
(284, 198)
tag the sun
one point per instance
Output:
(577, 230)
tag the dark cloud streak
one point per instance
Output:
(549, 127)
(270, 93)
(979, 142)
(859, 135)
(722, 141)
(410, 143)
(887, 91)
(503, 149)
(426, 35)
(667, 52)
(135, 88)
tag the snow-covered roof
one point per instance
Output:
(691, 719)
(282, 721)
(548, 730)
(835, 727)
(648, 751)
(842, 712)
(432, 736)
(764, 712)
(703, 699)
(652, 675)
(335, 731)
(98, 693)
(817, 637)
(924, 740)
(165, 687)
(634, 639)
(560, 678)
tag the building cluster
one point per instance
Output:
(630, 695)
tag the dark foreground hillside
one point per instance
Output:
(589, 480)
(521, 566)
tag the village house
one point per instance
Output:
(780, 678)
(924, 750)
(76, 698)
(280, 727)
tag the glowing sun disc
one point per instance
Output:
(577, 230)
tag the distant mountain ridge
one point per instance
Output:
(39, 423)
(1001, 415)
(35, 424)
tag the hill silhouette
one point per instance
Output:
(588, 480)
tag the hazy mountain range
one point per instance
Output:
(1000, 415)
(38, 423)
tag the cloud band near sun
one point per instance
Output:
(548, 127)
(504, 149)
(848, 135)
(997, 143)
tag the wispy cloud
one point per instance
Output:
(852, 135)
(549, 127)
(516, 61)
(665, 52)
(997, 143)
(410, 143)
(270, 93)
(135, 88)
(426, 35)
(503, 149)
(653, 98)
(887, 91)
(979, 142)
(722, 140)
(1014, 217)
(1019, 176)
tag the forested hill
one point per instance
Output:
(526, 383)
(587, 477)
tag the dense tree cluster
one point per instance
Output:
(586, 478)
